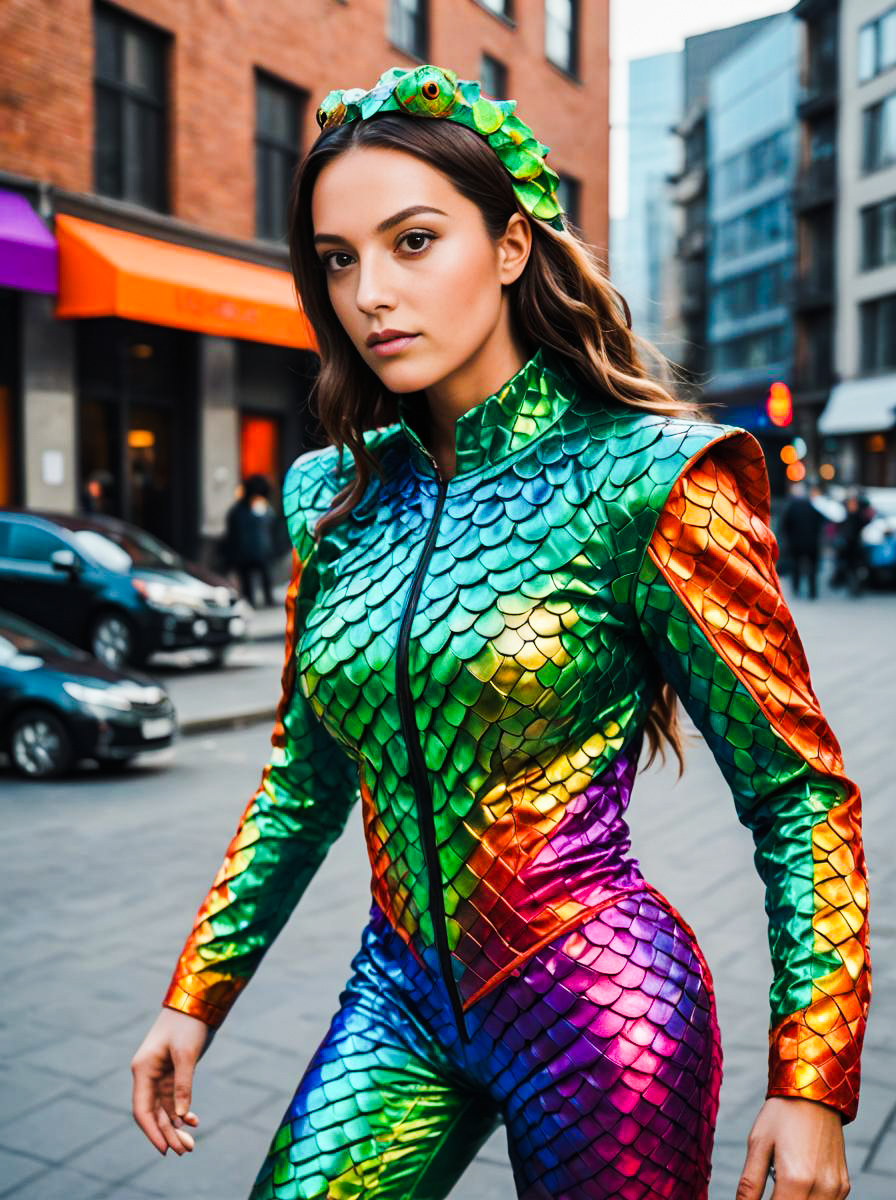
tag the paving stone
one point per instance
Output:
(115, 1157)
(884, 1161)
(61, 1183)
(17, 1169)
(23, 1088)
(81, 1059)
(58, 1129)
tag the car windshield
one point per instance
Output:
(18, 636)
(119, 548)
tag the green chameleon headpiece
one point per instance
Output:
(431, 91)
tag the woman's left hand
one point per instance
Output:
(803, 1139)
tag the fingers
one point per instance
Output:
(173, 1136)
(183, 1080)
(756, 1170)
(143, 1105)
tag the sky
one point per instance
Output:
(639, 28)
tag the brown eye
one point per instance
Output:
(430, 90)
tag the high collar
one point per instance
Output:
(521, 410)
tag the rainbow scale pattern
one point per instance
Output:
(475, 660)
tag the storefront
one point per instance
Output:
(858, 428)
(192, 371)
(28, 264)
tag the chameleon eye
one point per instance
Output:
(430, 90)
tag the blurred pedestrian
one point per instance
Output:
(851, 568)
(249, 538)
(801, 527)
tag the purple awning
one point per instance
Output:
(28, 256)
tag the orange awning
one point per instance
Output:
(107, 272)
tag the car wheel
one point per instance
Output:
(39, 744)
(112, 639)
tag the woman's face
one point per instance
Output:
(434, 274)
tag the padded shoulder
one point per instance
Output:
(313, 480)
(652, 451)
(634, 458)
(668, 450)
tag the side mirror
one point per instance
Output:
(65, 560)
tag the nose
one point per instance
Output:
(374, 290)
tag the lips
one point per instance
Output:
(387, 335)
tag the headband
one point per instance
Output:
(431, 91)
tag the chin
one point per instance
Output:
(401, 377)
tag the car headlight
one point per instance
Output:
(164, 595)
(93, 697)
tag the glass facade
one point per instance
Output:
(752, 155)
(643, 243)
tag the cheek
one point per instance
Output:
(468, 278)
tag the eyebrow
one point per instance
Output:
(383, 225)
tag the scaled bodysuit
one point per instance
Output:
(476, 658)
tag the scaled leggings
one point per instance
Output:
(601, 1056)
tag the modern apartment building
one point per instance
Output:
(815, 203)
(643, 243)
(858, 424)
(752, 157)
(150, 342)
(702, 54)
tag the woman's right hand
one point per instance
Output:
(163, 1078)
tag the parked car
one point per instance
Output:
(112, 588)
(879, 535)
(59, 704)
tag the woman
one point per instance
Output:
(534, 549)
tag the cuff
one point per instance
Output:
(177, 997)
(815, 1054)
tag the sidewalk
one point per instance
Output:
(106, 875)
(245, 690)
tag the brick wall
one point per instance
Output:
(46, 87)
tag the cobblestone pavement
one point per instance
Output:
(102, 877)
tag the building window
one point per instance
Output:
(768, 158)
(130, 145)
(879, 134)
(755, 292)
(877, 46)
(493, 77)
(760, 226)
(504, 8)
(408, 26)
(278, 121)
(752, 352)
(561, 33)
(878, 320)
(879, 234)
(569, 194)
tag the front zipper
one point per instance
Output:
(417, 765)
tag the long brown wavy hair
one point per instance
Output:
(562, 299)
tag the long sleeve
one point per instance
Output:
(307, 789)
(708, 600)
